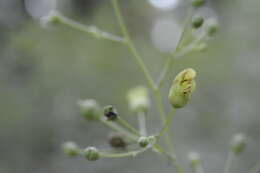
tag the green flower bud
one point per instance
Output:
(238, 143)
(197, 3)
(144, 141)
(212, 27)
(51, 19)
(91, 153)
(138, 99)
(194, 159)
(89, 109)
(111, 113)
(70, 149)
(197, 22)
(182, 88)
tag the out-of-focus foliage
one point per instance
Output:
(44, 72)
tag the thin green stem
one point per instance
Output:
(229, 161)
(126, 125)
(119, 129)
(159, 103)
(126, 154)
(171, 157)
(93, 30)
(167, 122)
(131, 46)
(166, 69)
(256, 168)
(147, 75)
(142, 123)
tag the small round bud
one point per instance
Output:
(138, 99)
(212, 27)
(238, 143)
(89, 109)
(183, 86)
(91, 153)
(194, 158)
(51, 19)
(197, 3)
(70, 149)
(143, 141)
(111, 113)
(117, 141)
(197, 22)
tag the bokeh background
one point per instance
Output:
(44, 72)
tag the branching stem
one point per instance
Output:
(93, 30)
(126, 154)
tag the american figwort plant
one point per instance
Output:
(138, 98)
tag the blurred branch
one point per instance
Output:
(56, 18)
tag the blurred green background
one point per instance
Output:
(44, 72)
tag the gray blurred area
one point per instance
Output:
(44, 72)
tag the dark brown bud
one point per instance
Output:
(111, 113)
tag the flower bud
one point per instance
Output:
(194, 159)
(238, 143)
(182, 88)
(197, 3)
(138, 99)
(51, 19)
(212, 27)
(89, 109)
(91, 153)
(70, 149)
(111, 113)
(197, 22)
(144, 141)
(117, 141)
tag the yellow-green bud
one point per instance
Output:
(91, 153)
(89, 109)
(238, 143)
(197, 3)
(183, 86)
(197, 22)
(138, 99)
(70, 149)
(194, 159)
